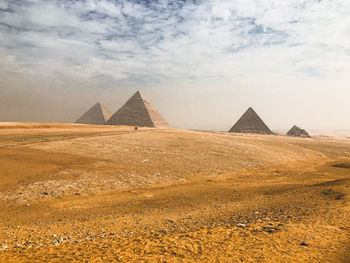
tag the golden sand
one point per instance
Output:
(114, 194)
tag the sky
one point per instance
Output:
(201, 63)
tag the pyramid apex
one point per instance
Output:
(137, 94)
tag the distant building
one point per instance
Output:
(137, 111)
(97, 114)
(250, 122)
(298, 132)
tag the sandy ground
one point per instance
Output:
(113, 194)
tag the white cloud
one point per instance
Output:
(191, 41)
(3, 4)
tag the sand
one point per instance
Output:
(114, 194)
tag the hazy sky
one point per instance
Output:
(201, 63)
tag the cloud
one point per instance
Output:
(179, 40)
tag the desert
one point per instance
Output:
(100, 193)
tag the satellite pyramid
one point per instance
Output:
(97, 114)
(250, 122)
(298, 132)
(137, 111)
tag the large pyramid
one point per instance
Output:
(137, 111)
(250, 122)
(97, 114)
(298, 132)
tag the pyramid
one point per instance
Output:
(137, 111)
(250, 122)
(97, 114)
(298, 132)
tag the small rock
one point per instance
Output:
(241, 225)
(304, 244)
(269, 229)
(4, 247)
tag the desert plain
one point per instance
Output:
(84, 193)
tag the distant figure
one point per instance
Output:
(136, 128)
(298, 132)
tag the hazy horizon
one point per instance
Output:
(200, 63)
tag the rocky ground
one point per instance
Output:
(100, 194)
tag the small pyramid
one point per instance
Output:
(298, 132)
(97, 114)
(250, 122)
(137, 111)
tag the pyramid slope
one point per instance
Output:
(250, 122)
(97, 114)
(298, 132)
(137, 111)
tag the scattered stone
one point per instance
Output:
(241, 225)
(304, 244)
